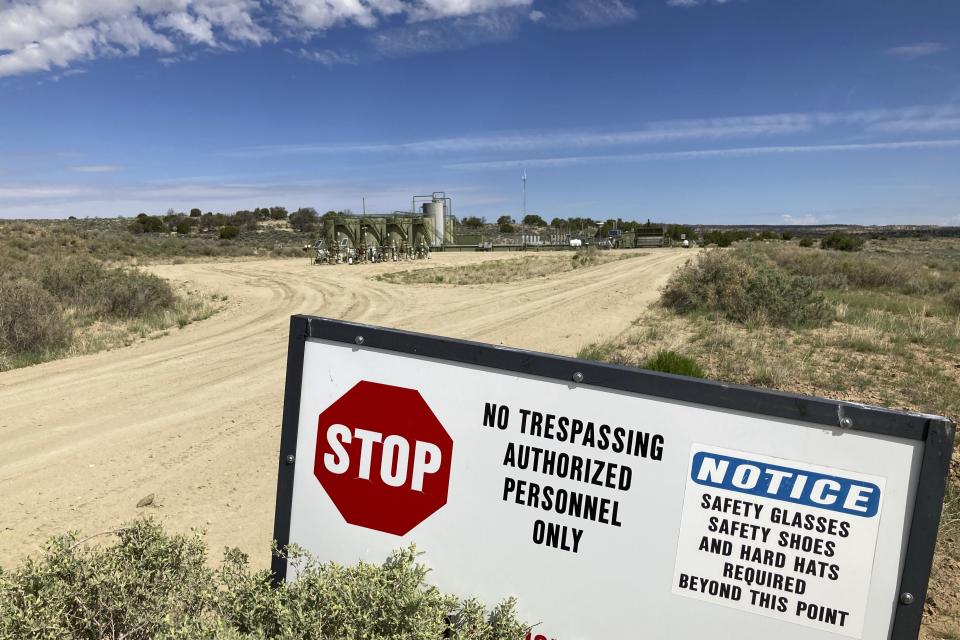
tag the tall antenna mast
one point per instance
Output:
(524, 179)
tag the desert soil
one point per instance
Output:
(194, 417)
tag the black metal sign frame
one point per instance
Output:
(936, 433)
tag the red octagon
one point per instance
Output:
(383, 457)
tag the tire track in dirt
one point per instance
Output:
(194, 417)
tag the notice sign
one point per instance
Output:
(781, 538)
(610, 502)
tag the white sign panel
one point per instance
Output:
(607, 514)
(786, 539)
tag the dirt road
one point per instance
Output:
(194, 417)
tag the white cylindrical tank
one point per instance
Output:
(434, 211)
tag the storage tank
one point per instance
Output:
(434, 211)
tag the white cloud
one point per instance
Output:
(710, 153)
(920, 125)
(666, 131)
(327, 57)
(13, 193)
(693, 3)
(537, 16)
(450, 35)
(319, 15)
(196, 28)
(800, 220)
(57, 33)
(59, 50)
(433, 9)
(917, 50)
(57, 77)
(95, 168)
(235, 18)
(128, 34)
(927, 119)
(590, 14)
(40, 35)
(910, 119)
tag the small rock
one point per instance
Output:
(146, 501)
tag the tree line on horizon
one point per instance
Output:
(576, 225)
(304, 219)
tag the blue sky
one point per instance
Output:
(744, 111)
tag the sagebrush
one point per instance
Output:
(863, 270)
(747, 289)
(842, 241)
(30, 318)
(48, 300)
(146, 583)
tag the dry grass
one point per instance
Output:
(102, 335)
(510, 270)
(895, 342)
(110, 240)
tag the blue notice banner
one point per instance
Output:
(808, 488)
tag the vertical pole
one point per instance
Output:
(524, 193)
(296, 343)
(523, 208)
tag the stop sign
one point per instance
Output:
(383, 457)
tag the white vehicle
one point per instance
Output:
(685, 244)
(576, 242)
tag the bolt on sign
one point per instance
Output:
(610, 501)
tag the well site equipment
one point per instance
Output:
(439, 209)
(414, 234)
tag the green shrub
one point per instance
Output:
(66, 277)
(228, 232)
(806, 242)
(724, 238)
(842, 241)
(767, 235)
(151, 584)
(183, 228)
(833, 270)
(147, 224)
(121, 293)
(746, 291)
(31, 321)
(673, 362)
